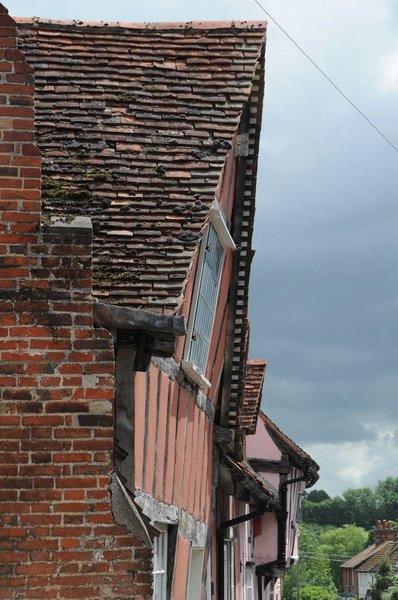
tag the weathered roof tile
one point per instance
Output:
(254, 381)
(297, 454)
(144, 113)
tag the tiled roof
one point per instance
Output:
(299, 457)
(253, 483)
(385, 550)
(359, 558)
(254, 380)
(135, 123)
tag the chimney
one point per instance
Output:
(384, 532)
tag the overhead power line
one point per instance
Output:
(331, 557)
(336, 452)
(369, 474)
(326, 76)
(347, 473)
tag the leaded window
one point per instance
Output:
(207, 299)
(204, 300)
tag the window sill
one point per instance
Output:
(194, 374)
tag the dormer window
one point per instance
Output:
(204, 302)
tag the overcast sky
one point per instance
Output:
(324, 293)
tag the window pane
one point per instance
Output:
(160, 566)
(207, 300)
(249, 583)
(195, 573)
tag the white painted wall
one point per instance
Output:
(365, 582)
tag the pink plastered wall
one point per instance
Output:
(266, 542)
(173, 444)
(272, 478)
(183, 552)
(261, 445)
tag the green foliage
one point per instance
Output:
(361, 507)
(314, 592)
(387, 499)
(317, 496)
(340, 544)
(393, 593)
(385, 582)
(328, 512)
(347, 540)
(315, 571)
(335, 527)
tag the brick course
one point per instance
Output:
(57, 534)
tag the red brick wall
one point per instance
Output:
(57, 534)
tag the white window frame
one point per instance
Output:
(272, 590)
(217, 220)
(160, 547)
(249, 580)
(208, 577)
(195, 572)
(229, 568)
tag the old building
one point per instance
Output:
(128, 173)
(291, 470)
(264, 473)
(128, 163)
(359, 573)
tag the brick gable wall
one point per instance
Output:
(57, 533)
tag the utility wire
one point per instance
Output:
(338, 451)
(344, 475)
(336, 557)
(335, 486)
(327, 77)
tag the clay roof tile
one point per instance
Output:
(254, 381)
(135, 123)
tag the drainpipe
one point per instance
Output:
(220, 543)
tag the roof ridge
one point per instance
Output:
(166, 25)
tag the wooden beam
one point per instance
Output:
(122, 317)
(271, 466)
(124, 415)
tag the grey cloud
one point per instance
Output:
(333, 410)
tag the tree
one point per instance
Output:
(317, 496)
(314, 592)
(340, 544)
(385, 580)
(315, 571)
(361, 506)
(328, 512)
(346, 541)
(386, 494)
